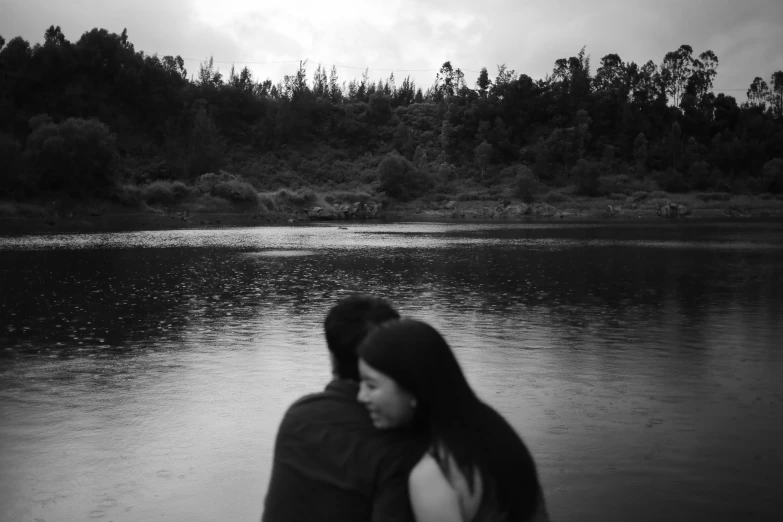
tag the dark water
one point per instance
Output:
(142, 375)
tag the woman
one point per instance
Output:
(477, 467)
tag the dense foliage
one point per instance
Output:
(76, 116)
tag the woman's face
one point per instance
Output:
(390, 405)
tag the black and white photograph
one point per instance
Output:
(399, 261)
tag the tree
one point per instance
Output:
(646, 83)
(525, 184)
(586, 175)
(758, 93)
(208, 76)
(677, 68)
(295, 86)
(206, 145)
(775, 96)
(78, 156)
(176, 65)
(54, 36)
(640, 151)
(704, 72)
(9, 154)
(398, 178)
(675, 142)
(773, 175)
(449, 81)
(406, 93)
(502, 82)
(483, 83)
(482, 154)
(611, 76)
(335, 93)
(321, 83)
(583, 122)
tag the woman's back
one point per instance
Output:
(504, 483)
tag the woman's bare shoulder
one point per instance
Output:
(426, 470)
(432, 496)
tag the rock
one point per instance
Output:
(683, 211)
(543, 209)
(666, 211)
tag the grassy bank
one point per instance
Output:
(229, 201)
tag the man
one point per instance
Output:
(330, 463)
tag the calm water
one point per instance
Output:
(143, 375)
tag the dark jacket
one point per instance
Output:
(331, 463)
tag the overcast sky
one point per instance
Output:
(416, 36)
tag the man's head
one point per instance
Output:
(347, 323)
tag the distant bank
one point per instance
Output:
(59, 216)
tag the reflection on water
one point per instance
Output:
(142, 375)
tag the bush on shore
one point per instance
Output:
(78, 156)
(773, 175)
(399, 179)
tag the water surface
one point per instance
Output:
(143, 375)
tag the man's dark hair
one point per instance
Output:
(348, 323)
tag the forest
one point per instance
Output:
(99, 119)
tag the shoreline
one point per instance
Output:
(35, 220)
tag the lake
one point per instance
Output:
(143, 374)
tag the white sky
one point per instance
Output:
(527, 35)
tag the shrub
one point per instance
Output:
(525, 184)
(348, 197)
(301, 198)
(586, 176)
(399, 179)
(207, 145)
(671, 181)
(236, 190)
(556, 197)
(471, 196)
(78, 156)
(700, 175)
(713, 196)
(165, 192)
(267, 202)
(10, 153)
(128, 195)
(773, 175)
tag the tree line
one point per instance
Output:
(79, 116)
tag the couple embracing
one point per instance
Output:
(397, 435)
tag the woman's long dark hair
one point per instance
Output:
(457, 423)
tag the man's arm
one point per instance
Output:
(391, 502)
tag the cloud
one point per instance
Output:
(527, 36)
